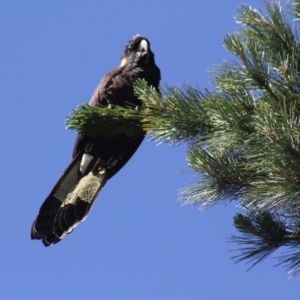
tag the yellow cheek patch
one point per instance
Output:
(123, 62)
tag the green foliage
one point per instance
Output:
(243, 137)
(263, 232)
(162, 116)
(105, 121)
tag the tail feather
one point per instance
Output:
(43, 224)
(66, 218)
(78, 204)
(50, 240)
(68, 204)
(74, 194)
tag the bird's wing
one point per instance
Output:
(102, 96)
(104, 92)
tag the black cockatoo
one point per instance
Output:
(96, 159)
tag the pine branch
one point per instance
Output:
(96, 120)
(175, 117)
(243, 138)
(263, 233)
(296, 9)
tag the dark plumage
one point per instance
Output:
(95, 159)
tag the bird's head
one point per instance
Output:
(137, 52)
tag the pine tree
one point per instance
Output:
(242, 137)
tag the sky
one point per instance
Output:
(138, 242)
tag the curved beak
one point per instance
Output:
(144, 46)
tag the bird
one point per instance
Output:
(95, 160)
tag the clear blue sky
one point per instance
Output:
(138, 242)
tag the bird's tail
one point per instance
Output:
(68, 203)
